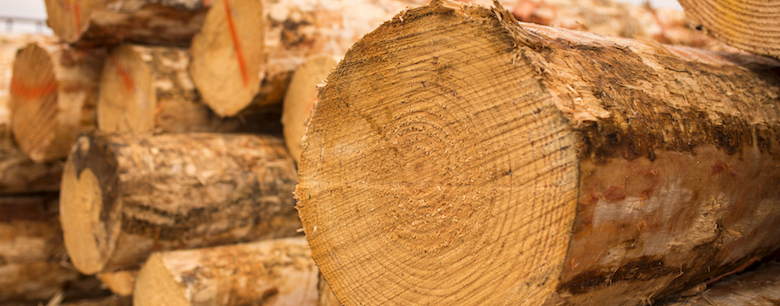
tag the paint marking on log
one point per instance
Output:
(236, 44)
(32, 92)
(126, 79)
(76, 16)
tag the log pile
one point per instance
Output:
(149, 154)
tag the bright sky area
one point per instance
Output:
(35, 9)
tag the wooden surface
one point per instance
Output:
(125, 196)
(274, 272)
(120, 283)
(456, 156)
(756, 288)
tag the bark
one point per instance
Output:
(456, 156)
(276, 272)
(90, 23)
(617, 19)
(749, 25)
(756, 288)
(32, 258)
(120, 282)
(53, 93)
(300, 98)
(148, 89)
(125, 196)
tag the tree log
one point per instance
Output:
(276, 272)
(125, 196)
(756, 288)
(120, 282)
(148, 89)
(53, 97)
(300, 98)
(606, 17)
(750, 25)
(456, 156)
(90, 23)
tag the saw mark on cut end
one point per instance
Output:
(33, 91)
(236, 43)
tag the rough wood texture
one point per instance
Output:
(53, 95)
(148, 89)
(32, 258)
(107, 301)
(750, 25)
(606, 17)
(326, 296)
(456, 156)
(276, 272)
(105, 22)
(228, 55)
(757, 288)
(125, 196)
(120, 282)
(300, 98)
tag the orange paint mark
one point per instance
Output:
(737, 270)
(124, 75)
(20, 90)
(76, 15)
(236, 44)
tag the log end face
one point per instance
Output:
(69, 19)
(156, 285)
(127, 101)
(228, 58)
(33, 103)
(424, 168)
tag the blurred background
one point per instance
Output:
(29, 16)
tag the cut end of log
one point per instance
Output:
(156, 285)
(33, 102)
(90, 229)
(70, 18)
(467, 178)
(300, 98)
(127, 101)
(227, 55)
(750, 25)
(120, 283)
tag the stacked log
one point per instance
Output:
(546, 167)
(756, 288)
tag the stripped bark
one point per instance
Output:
(546, 167)
(125, 196)
(275, 272)
(756, 288)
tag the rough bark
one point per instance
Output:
(456, 156)
(276, 272)
(750, 25)
(756, 288)
(32, 258)
(606, 17)
(300, 98)
(125, 196)
(90, 23)
(148, 89)
(53, 93)
(120, 282)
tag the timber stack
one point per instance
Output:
(150, 154)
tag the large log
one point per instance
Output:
(90, 23)
(756, 288)
(275, 272)
(125, 196)
(750, 25)
(148, 89)
(300, 98)
(456, 156)
(53, 96)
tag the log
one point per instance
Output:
(748, 25)
(90, 23)
(276, 272)
(545, 166)
(53, 97)
(147, 89)
(300, 98)
(756, 288)
(326, 296)
(606, 17)
(120, 282)
(125, 196)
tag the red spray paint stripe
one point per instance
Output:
(126, 79)
(236, 44)
(76, 15)
(33, 92)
